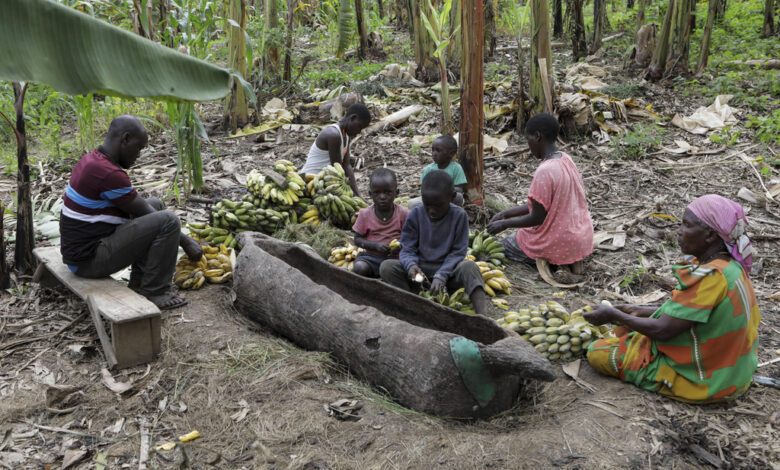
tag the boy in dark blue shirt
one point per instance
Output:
(434, 241)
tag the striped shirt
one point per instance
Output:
(89, 211)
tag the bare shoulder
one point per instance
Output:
(328, 136)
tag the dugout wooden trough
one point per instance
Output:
(427, 357)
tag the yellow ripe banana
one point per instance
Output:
(199, 283)
(489, 291)
(214, 272)
(181, 276)
(219, 280)
(492, 273)
(340, 263)
(494, 284)
(395, 244)
(223, 258)
(187, 283)
(209, 255)
(213, 263)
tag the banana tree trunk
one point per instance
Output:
(578, 42)
(522, 108)
(455, 51)
(679, 39)
(381, 9)
(640, 13)
(424, 47)
(542, 90)
(721, 11)
(599, 12)
(288, 40)
(446, 111)
(471, 97)
(271, 60)
(5, 275)
(658, 62)
(557, 18)
(489, 12)
(236, 108)
(361, 27)
(769, 19)
(25, 236)
(704, 54)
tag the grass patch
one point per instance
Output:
(321, 238)
(643, 138)
(622, 91)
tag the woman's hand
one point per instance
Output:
(500, 216)
(636, 310)
(496, 226)
(602, 314)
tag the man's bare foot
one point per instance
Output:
(167, 301)
(191, 248)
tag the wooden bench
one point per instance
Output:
(133, 336)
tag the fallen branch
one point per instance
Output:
(394, 119)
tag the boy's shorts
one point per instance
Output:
(374, 261)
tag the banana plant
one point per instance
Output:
(346, 26)
(43, 41)
(436, 24)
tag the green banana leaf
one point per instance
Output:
(45, 42)
(346, 26)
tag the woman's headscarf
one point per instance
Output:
(728, 219)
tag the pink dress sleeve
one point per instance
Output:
(361, 223)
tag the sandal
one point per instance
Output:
(167, 301)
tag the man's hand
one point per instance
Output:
(414, 270)
(438, 286)
(602, 314)
(381, 248)
(496, 226)
(191, 248)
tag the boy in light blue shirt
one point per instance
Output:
(444, 149)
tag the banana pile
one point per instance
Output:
(459, 300)
(215, 266)
(238, 216)
(333, 198)
(495, 279)
(552, 330)
(484, 247)
(344, 256)
(266, 188)
(206, 234)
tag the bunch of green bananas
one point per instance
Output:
(267, 189)
(459, 300)
(333, 197)
(552, 330)
(239, 216)
(204, 233)
(484, 247)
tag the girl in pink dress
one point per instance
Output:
(555, 224)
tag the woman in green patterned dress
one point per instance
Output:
(700, 346)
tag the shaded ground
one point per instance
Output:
(258, 401)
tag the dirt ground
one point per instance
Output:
(258, 401)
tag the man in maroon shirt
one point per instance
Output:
(105, 226)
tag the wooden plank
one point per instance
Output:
(105, 339)
(134, 342)
(117, 303)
